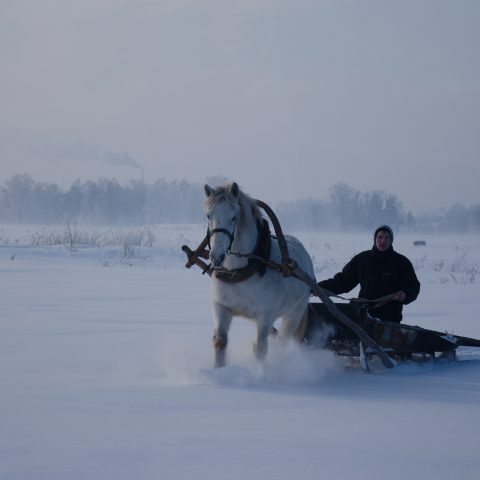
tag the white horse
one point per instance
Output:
(264, 295)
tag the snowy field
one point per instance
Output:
(106, 369)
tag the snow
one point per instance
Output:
(106, 372)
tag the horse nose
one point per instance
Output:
(217, 261)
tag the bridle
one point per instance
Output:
(286, 267)
(229, 234)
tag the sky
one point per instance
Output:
(287, 98)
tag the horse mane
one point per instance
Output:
(226, 193)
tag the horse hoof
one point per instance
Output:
(220, 360)
(260, 351)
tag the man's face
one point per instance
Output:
(382, 241)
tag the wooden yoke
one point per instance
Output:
(288, 264)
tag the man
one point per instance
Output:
(380, 271)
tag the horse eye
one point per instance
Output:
(208, 216)
(234, 218)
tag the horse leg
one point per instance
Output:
(223, 319)
(294, 323)
(261, 345)
(301, 330)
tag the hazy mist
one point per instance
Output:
(286, 97)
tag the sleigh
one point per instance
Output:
(349, 330)
(400, 341)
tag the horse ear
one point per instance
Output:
(235, 189)
(208, 190)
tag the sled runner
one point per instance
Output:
(398, 340)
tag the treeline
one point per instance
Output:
(106, 202)
(456, 219)
(345, 209)
(23, 200)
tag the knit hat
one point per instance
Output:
(384, 228)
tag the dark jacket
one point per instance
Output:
(379, 274)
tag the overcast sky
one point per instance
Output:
(286, 97)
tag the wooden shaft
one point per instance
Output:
(194, 260)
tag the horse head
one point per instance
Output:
(223, 208)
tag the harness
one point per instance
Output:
(256, 259)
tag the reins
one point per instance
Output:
(287, 267)
(380, 301)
